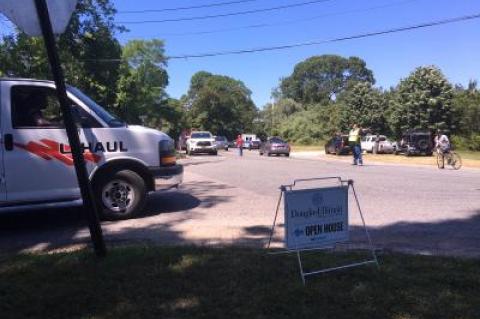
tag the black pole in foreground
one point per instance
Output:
(89, 206)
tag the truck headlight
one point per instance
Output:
(167, 154)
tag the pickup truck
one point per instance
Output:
(201, 142)
(369, 144)
(124, 162)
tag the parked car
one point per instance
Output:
(201, 142)
(414, 142)
(338, 145)
(221, 143)
(369, 144)
(255, 144)
(275, 145)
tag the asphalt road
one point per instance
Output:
(231, 200)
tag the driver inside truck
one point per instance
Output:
(30, 108)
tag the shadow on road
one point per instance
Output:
(51, 229)
(454, 237)
(54, 228)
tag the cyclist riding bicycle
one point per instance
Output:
(442, 144)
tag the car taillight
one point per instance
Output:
(167, 153)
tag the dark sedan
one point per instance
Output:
(338, 145)
(275, 145)
(255, 144)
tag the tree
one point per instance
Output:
(320, 79)
(220, 104)
(141, 87)
(89, 37)
(466, 104)
(313, 125)
(274, 113)
(423, 101)
(366, 106)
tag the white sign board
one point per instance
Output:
(316, 218)
(23, 13)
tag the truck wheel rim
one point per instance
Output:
(118, 196)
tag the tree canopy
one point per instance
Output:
(320, 79)
(141, 87)
(90, 36)
(366, 106)
(423, 101)
(220, 104)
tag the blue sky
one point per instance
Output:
(454, 48)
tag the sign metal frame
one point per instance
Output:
(349, 184)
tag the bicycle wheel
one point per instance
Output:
(440, 160)
(455, 161)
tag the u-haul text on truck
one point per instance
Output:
(36, 168)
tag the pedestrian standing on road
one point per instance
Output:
(239, 143)
(354, 137)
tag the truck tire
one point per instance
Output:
(120, 195)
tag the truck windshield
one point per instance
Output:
(201, 135)
(108, 118)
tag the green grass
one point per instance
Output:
(302, 148)
(182, 282)
(469, 155)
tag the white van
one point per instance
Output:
(36, 167)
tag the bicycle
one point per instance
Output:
(450, 158)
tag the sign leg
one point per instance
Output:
(301, 267)
(364, 224)
(275, 218)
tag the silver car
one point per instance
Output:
(275, 145)
(221, 143)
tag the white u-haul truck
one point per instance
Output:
(124, 162)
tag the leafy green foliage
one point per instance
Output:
(220, 104)
(466, 103)
(89, 36)
(366, 106)
(320, 79)
(312, 125)
(423, 101)
(141, 87)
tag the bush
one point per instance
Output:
(311, 126)
(470, 143)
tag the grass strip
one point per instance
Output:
(189, 282)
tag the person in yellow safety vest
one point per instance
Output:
(354, 137)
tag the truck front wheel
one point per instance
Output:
(120, 195)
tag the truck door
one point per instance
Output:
(37, 168)
(3, 191)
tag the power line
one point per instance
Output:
(209, 5)
(289, 22)
(346, 38)
(311, 43)
(237, 13)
